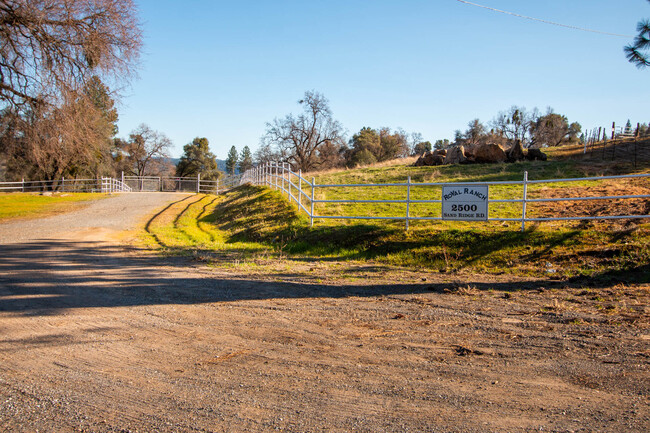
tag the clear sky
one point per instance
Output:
(223, 69)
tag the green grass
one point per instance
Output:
(32, 205)
(253, 220)
(537, 170)
(188, 227)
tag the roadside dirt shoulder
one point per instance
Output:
(101, 339)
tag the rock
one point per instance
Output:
(536, 154)
(489, 153)
(436, 157)
(456, 155)
(516, 152)
(46, 193)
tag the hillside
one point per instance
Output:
(255, 223)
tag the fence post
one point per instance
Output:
(299, 188)
(198, 183)
(311, 215)
(217, 186)
(523, 213)
(62, 183)
(289, 182)
(23, 184)
(408, 201)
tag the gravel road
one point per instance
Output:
(98, 337)
(95, 222)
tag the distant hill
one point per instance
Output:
(221, 165)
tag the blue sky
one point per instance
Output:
(222, 69)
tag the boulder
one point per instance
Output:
(436, 157)
(516, 152)
(489, 153)
(421, 160)
(456, 155)
(536, 154)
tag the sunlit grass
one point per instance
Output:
(254, 221)
(33, 205)
(188, 227)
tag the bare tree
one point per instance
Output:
(302, 137)
(553, 129)
(144, 147)
(47, 142)
(515, 124)
(50, 47)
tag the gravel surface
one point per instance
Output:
(117, 213)
(98, 337)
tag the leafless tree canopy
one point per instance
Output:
(301, 138)
(144, 148)
(47, 142)
(50, 46)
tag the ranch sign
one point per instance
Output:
(465, 202)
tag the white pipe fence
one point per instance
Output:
(126, 184)
(303, 192)
(279, 176)
(110, 185)
(63, 185)
(218, 186)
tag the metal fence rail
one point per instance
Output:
(63, 185)
(110, 185)
(218, 186)
(126, 184)
(279, 176)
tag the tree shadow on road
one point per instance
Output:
(49, 276)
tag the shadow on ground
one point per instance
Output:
(47, 277)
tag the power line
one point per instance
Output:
(545, 21)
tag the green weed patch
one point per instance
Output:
(34, 205)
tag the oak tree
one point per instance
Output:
(51, 47)
(143, 148)
(300, 138)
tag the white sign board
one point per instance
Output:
(465, 202)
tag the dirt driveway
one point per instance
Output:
(99, 337)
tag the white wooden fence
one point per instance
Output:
(279, 176)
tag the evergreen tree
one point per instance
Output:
(197, 159)
(231, 160)
(245, 160)
(638, 52)
(628, 128)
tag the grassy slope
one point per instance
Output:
(253, 221)
(33, 205)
